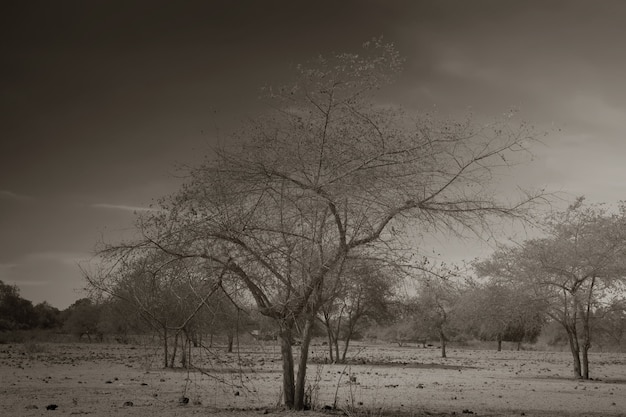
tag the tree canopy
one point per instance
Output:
(573, 269)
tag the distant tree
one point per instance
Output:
(580, 261)
(82, 318)
(120, 320)
(16, 313)
(48, 317)
(361, 298)
(165, 292)
(400, 327)
(609, 324)
(434, 309)
(502, 312)
(224, 314)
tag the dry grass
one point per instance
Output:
(98, 379)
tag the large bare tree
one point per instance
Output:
(327, 172)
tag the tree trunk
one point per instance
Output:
(173, 358)
(584, 349)
(329, 332)
(231, 339)
(346, 344)
(300, 401)
(287, 358)
(187, 357)
(585, 362)
(336, 337)
(575, 349)
(499, 343)
(183, 353)
(585, 313)
(442, 339)
(345, 349)
(330, 347)
(165, 348)
(195, 338)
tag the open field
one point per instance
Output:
(104, 379)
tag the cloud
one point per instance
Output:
(66, 258)
(122, 207)
(10, 195)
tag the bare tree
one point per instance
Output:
(327, 172)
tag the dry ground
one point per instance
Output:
(104, 379)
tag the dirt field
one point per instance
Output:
(112, 379)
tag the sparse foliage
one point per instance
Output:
(501, 311)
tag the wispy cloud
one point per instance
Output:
(66, 258)
(31, 283)
(10, 195)
(122, 207)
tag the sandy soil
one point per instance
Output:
(111, 379)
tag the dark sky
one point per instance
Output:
(101, 100)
